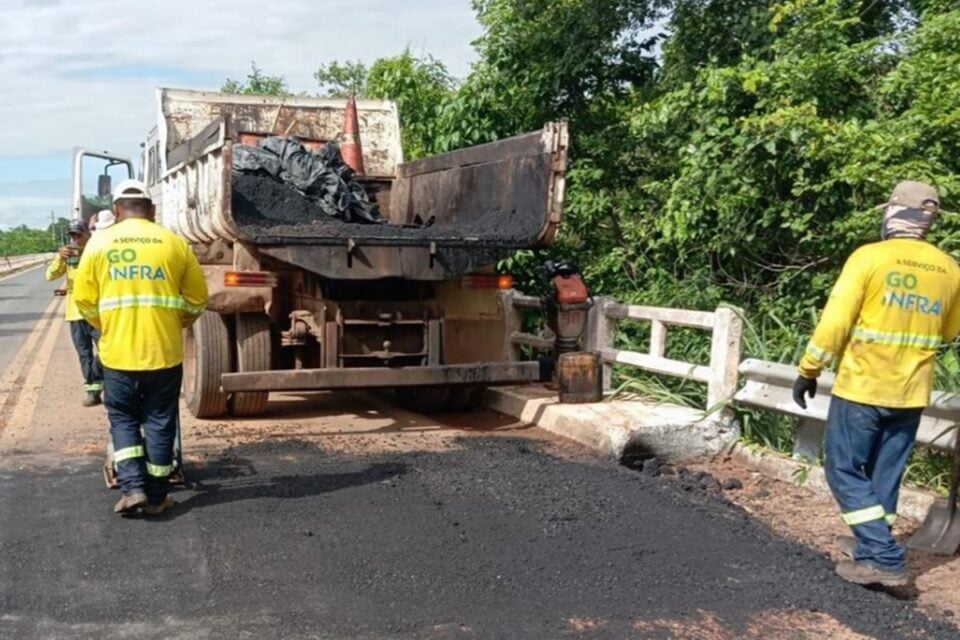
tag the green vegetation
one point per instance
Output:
(257, 83)
(23, 240)
(739, 164)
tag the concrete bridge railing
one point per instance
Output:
(725, 324)
(730, 380)
(12, 263)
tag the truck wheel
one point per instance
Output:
(253, 354)
(423, 399)
(464, 399)
(206, 355)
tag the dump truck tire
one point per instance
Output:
(464, 399)
(252, 332)
(207, 355)
(423, 399)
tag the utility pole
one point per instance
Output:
(53, 229)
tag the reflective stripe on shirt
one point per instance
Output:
(898, 338)
(139, 301)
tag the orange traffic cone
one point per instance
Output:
(350, 146)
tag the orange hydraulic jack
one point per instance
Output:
(350, 146)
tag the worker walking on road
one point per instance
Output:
(141, 284)
(895, 304)
(83, 334)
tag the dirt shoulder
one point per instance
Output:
(798, 513)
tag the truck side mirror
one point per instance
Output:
(104, 185)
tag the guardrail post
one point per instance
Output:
(511, 325)
(600, 334)
(808, 445)
(724, 356)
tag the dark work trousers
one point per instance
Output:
(867, 449)
(142, 407)
(85, 337)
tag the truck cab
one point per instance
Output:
(95, 171)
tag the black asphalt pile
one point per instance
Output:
(493, 540)
(267, 209)
(320, 177)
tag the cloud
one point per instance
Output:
(85, 72)
(33, 211)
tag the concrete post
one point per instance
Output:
(724, 356)
(511, 325)
(600, 334)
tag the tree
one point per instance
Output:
(23, 240)
(421, 86)
(342, 79)
(257, 83)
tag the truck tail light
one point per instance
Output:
(249, 279)
(490, 281)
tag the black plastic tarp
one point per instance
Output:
(321, 176)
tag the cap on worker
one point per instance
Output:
(105, 219)
(77, 226)
(132, 189)
(914, 195)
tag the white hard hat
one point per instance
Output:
(131, 189)
(105, 219)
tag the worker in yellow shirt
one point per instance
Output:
(140, 285)
(896, 302)
(83, 334)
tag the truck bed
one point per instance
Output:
(486, 201)
(268, 212)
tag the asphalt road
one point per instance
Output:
(341, 516)
(495, 539)
(23, 298)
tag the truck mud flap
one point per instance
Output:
(486, 374)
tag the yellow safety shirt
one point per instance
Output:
(57, 269)
(140, 285)
(895, 304)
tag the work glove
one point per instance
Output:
(804, 387)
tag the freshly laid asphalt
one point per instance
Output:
(494, 539)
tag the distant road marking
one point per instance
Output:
(24, 367)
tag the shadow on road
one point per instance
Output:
(242, 482)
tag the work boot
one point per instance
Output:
(848, 545)
(92, 399)
(130, 502)
(156, 509)
(866, 574)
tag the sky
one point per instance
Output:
(85, 72)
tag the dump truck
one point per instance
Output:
(314, 304)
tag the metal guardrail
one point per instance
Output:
(11, 263)
(769, 386)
